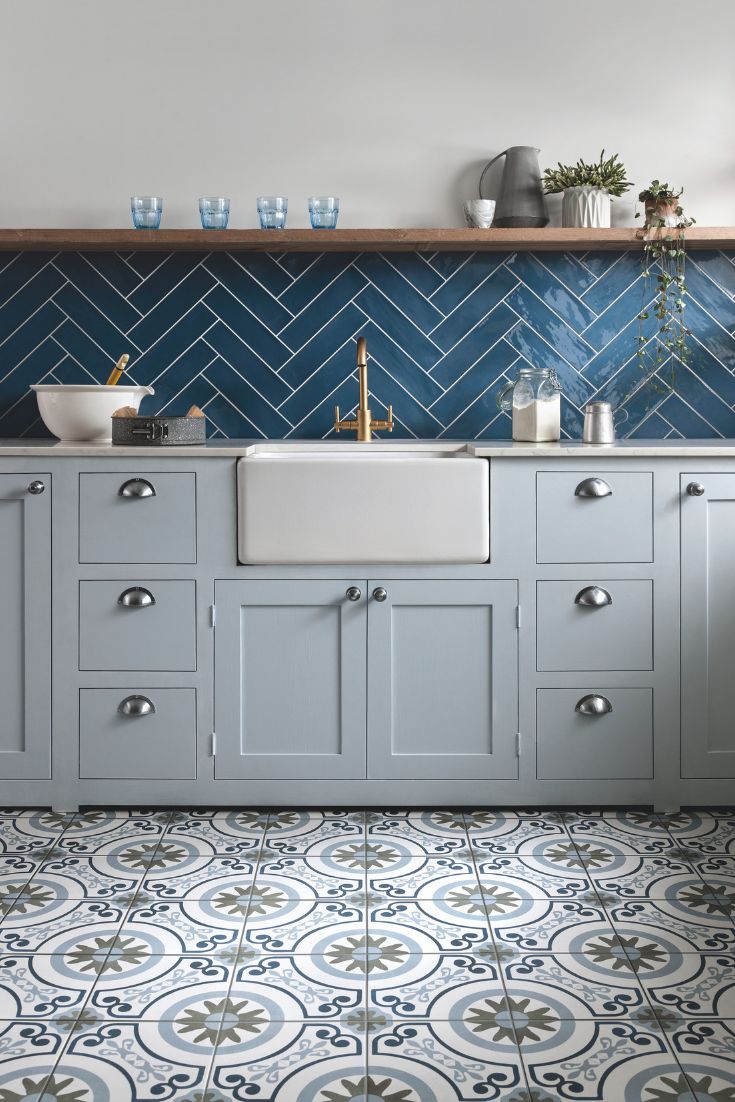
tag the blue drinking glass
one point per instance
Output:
(214, 212)
(147, 211)
(323, 212)
(272, 211)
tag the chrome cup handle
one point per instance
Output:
(136, 706)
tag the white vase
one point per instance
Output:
(586, 208)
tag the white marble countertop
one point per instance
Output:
(624, 449)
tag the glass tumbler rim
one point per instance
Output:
(146, 199)
(272, 199)
(333, 199)
(222, 199)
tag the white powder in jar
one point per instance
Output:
(539, 420)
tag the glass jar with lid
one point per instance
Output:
(535, 403)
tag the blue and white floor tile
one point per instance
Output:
(422, 956)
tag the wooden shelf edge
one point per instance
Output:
(373, 240)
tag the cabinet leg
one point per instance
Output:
(666, 809)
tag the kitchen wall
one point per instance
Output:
(393, 105)
(266, 344)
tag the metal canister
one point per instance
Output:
(599, 422)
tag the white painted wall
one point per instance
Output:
(393, 105)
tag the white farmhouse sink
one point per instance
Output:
(364, 503)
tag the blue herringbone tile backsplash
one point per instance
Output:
(265, 344)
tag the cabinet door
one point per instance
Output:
(442, 679)
(289, 680)
(25, 628)
(707, 626)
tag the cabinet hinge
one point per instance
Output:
(212, 616)
(518, 616)
(518, 744)
(213, 744)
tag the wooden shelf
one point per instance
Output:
(388, 240)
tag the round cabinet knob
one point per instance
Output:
(593, 596)
(136, 597)
(593, 705)
(36, 487)
(695, 489)
(379, 593)
(593, 487)
(354, 593)
(136, 706)
(137, 487)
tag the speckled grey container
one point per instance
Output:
(160, 431)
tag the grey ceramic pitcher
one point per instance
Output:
(521, 200)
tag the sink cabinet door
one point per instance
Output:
(707, 626)
(289, 680)
(25, 628)
(442, 680)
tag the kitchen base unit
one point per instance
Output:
(587, 660)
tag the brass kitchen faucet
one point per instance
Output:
(363, 423)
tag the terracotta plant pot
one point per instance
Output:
(660, 209)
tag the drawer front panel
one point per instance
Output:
(614, 745)
(159, 745)
(153, 521)
(137, 625)
(594, 624)
(615, 525)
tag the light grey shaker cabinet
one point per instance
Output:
(442, 679)
(289, 679)
(707, 625)
(25, 626)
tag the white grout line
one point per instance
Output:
(124, 336)
(102, 276)
(241, 301)
(245, 343)
(249, 382)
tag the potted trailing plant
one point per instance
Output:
(664, 283)
(587, 190)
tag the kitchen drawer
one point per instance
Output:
(616, 745)
(134, 516)
(159, 745)
(594, 624)
(137, 624)
(615, 527)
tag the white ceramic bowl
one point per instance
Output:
(80, 412)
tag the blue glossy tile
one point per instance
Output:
(86, 352)
(93, 286)
(479, 303)
(686, 420)
(247, 290)
(710, 297)
(229, 420)
(415, 268)
(170, 310)
(711, 371)
(402, 294)
(315, 278)
(395, 361)
(27, 337)
(551, 291)
(146, 263)
(318, 424)
(250, 366)
(407, 409)
(295, 264)
(322, 308)
(620, 350)
(707, 404)
(20, 417)
(165, 272)
(598, 262)
(347, 323)
(568, 268)
(19, 270)
(624, 270)
(188, 366)
(28, 299)
(334, 371)
(716, 339)
(550, 326)
(481, 418)
(619, 313)
(165, 351)
(34, 368)
(474, 382)
(652, 428)
(474, 345)
(539, 353)
(247, 327)
(463, 275)
(244, 397)
(717, 266)
(398, 327)
(264, 268)
(196, 393)
(114, 269)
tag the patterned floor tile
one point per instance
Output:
(700, 927)
(222, 835)
(642, 831)
(299, 986)
(444, 1060)
(188, 873)
(551, 925)
(580, 984)
(431, 987)
(531, 878)
(518, 836)
(287, 1061)
(277, 923)
(91, 829)
(434, 831)
(453, 923)
(77, 919)
(31, 832)
(28, 1054)
(136, 982)
(703, 831)
(175, 927)
(652, 878)
(10, 888)
(41, 986)
(295, 827)
(693, 985)
(401, 873)
(66, 877)
(330, 873)
(706, 1052)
